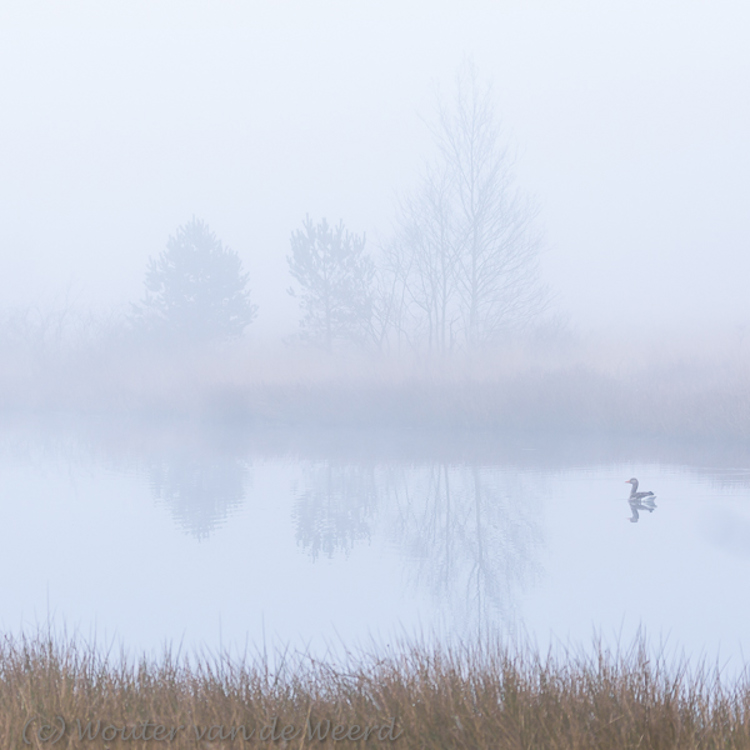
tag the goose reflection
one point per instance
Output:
(639, 500)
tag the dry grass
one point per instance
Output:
(423, 697)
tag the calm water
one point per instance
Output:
(143, 535)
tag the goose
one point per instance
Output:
(636, 496)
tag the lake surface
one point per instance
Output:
(216, 538)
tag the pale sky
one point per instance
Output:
(119, 121)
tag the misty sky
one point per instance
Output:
(120, 121)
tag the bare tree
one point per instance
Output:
(335, 277)
(463, 267)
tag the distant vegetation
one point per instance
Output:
(71, 361)
(414, 697)
(196, 291)
(335, 277)
(445, 325)
(461, 270)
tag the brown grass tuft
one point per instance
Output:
(56, 690)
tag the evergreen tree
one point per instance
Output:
(196, 289)
(335, 275)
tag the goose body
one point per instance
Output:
(636, 496)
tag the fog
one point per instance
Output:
(432, 431)
(629, 124)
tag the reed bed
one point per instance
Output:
(60, 692)
(516, 388)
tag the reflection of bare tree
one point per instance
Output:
(200, 495)
(471, 535)
(335, 510)
(468, 531)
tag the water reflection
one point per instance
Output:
(359, 533)
(468, 533)
(639, 500)
(335, 508)
(471, 534)
(200, 494)
(636, 505)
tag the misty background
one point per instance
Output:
(448, 457)
(628, 122)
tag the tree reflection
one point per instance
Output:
(335, 509)
(471, 536)
(469, 532)
(200, 495)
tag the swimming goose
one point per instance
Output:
(635, 495)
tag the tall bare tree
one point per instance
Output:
(463, 267)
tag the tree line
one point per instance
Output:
(460, 271)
